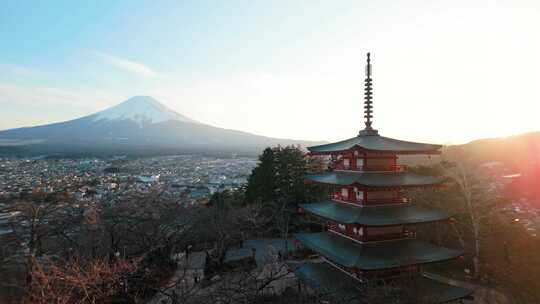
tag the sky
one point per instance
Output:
(443, 71)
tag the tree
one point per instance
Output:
(74, 281)
(261, 182)
(70, 248)
(41, 224)
(39, 220)
(473, 200)
(480, 204)
(279, 177)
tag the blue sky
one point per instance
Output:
(443, 71)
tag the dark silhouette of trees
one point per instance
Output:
(279, 176)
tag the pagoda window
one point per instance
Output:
(357, 231)
(346, 164)
(359, 194)
(359, 163)
(345, 193)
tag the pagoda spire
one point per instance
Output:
(368, 107)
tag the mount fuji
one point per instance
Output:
(140, 124)
(142, 110)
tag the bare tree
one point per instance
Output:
(481, 202)
(98, 281)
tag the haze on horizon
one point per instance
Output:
(443, 71)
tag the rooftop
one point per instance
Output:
(332, 282)
(374, 179)
(376, 256)
(374, 216)
(376, 143)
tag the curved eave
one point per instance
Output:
(374, 216)
(376, 256)
(329, 280)
(360, 148)
(376, 143)
(374, 179)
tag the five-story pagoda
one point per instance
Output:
(371, 234)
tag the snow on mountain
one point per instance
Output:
(142, 110)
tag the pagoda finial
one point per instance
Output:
(368, 108)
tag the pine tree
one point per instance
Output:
(261, 182)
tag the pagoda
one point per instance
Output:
(370, 230)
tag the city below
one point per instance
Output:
(186, 179)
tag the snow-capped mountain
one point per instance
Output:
(141, 109)
(139, 124)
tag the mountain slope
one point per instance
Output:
(513, 151)
(139, 124)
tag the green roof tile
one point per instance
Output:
(328, 281)
(375, 256)
(374, 179)
(377, 143)
(374, 216)
(332, 282)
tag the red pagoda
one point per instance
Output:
(371, 224)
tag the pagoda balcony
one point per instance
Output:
(390, 168)
(340, 198)
(395, 200)
(340, 166)
(355, 234)
(370, 202)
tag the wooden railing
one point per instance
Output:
(396, 200)
(384, 168)
(341, 166)
(383, 201)
(373, 168)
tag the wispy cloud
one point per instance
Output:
(134, 67)
(30, 95)
(16, 70)
(27, 105)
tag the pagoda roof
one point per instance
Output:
(398, 214)
(376, 143)
(375, 255)
(330, 281)
(374, 179)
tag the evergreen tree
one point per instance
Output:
(279, 177)
(261, 182)
(291, 166)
